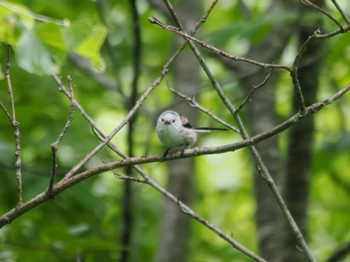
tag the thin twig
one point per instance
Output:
(340, 10)
(193, 103)
(156, 4)
(339, 181)
(16, 131)
(340, 254)
(53, 169)
(309, 3)
(255, 88)
(127, 118)
(129, 178)
(54, 146)
(334, 33)
(295, 68)
(218, 51)
(6, 111)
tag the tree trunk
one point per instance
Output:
(262, 116)
(300, 148)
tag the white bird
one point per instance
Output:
(174, 131)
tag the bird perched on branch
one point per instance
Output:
(174, 130)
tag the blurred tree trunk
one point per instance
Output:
(127, 202)
(276, 240)
(262, 116)
(175, 232)
(300, 148)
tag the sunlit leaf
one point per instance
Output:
(90, 47)
(51, 36)
(86, 41)
(12, 24)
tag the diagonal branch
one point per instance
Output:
(247, 99)
(340, 10)
(193, 103)
(309, 3)
(295, 68)
(218, 51)
(54, 145)
(130, 114)
(3, 107)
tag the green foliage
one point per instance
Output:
(48, 40)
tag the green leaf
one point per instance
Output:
(51, 36)
(75, 34)
(254, 30)
(86, 41)
(90, 47)
(33, 56)
(9, 9)
(12, 23)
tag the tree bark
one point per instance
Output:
(300, 148)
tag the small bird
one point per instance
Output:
(174, 131)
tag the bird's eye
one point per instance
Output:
(162, 120)
(173, 120)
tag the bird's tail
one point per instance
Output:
(209, 129)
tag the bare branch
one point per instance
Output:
(342, 183)
(340, 254)
(193, 103)
(16, 131)
(185, 209)
(331, 34)
(309, 3)
(157, 4)
(340, 10)
(218, 51)
(130, 178)
(247, 99)
(54, 146)
(6, 111)
(130, 114)
(295, 68)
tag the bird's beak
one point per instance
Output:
(167, 122)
